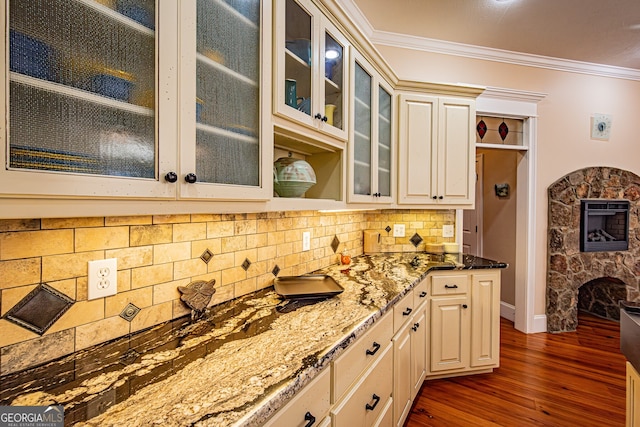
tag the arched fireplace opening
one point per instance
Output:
(601, 297)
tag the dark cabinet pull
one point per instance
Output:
(171, 177)
(464, 305)
(407, 311)
(310, 418)
(190, 178)
(318, 116)
(376, 347)
(376, 400)
(422, 294)
(415, 327)
(440, 197)
(434, 197)
(324, 118)
(451, 286)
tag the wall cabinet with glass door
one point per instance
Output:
(311, 72)
(372, 148)
(92, 104)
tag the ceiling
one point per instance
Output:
(592, 31)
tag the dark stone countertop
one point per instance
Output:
(238, 365)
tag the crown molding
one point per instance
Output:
(483, 53)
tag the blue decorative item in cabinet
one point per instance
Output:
(30, 56)
(112, 84)
(132, 9)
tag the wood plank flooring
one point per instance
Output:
(570, 379)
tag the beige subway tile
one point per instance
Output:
(199, 246)
(12, 334)
(292, 259)
(264, 280)
(19, 225)
(232, 275)
(92, 239)
(141, 298)
(223, 294)
(189, 268)
(171, 219)
(131, 257)
(80, 313)
(124, 280)
(100, 331)
(220, 229)
(82, 288)
(164, 292)
(36, 351)
(416, 225)
(28, 244)
(284, 249)
(293, 236)
(58, 267)
(171, 252)
(245, 287)
(144, 235)
(257, 240)
(299, 222)
(19, 272)
(284, 224)
(266, 253)
(12, 296)
(179, 309)
(148, 276)
(151, 316)
(275, 237)
(266, 225)
(128, 220)
(235, 243)
(245, 227)
(256, 269)
(188, 232)
(221, 262)
(67, 287)
(52, 223)
(205, 217)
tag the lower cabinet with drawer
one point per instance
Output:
(464, 318)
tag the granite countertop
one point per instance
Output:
(238, 365)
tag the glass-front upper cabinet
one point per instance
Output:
(311, 79)
(81, 98)
(372, 153)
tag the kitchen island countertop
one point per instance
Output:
(241, 363)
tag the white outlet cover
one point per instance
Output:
(306, 240)
(102, 278)
(398, 230)
(447, 230)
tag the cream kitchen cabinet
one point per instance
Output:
(120, 99)
(633, 397)
(372, 174)
(409, 351)
(464, 313)
(311, 59)
(436, 151)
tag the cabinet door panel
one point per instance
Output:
(418, 349)
(402, 375)
(449, 334)
(455, 118)
(485, 323)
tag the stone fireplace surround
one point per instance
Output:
(568, 268)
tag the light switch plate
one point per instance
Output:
(398, 230)
(447, 230)
(306, 240)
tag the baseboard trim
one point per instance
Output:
(508, 311)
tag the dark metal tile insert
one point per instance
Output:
(415, 240)
(39, 309)
(246, 264)
(275, 270)
(387, 228)
(335, 243)
(129, 312)
(206, 256)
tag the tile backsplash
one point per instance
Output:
(158, 253)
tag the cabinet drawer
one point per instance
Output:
(449, 284)
(362, 353)
(367, 400)
(402, 311)
(420, 293)
(312, 399)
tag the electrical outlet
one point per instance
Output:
(103, 278)
(398, 230)
(306, 240)
(447, 230)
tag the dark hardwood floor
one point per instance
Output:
(570, 379)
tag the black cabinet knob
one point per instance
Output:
(324, 118)
(464, 305)
(171, 177)
(190, 178)
(440, 197)
(318, 116)
(434, 197)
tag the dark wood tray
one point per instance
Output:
(309, 286)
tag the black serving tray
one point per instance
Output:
(308, 286)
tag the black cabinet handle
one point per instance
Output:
(310, 418)
(376, 400)
(190, 178)
(415, 327)
(451, 286)
(324, 118)
(318, 116)
(171, 177)
(422, 294)
(434, 197)
(464, 305)
(407, 311)
(376, 347)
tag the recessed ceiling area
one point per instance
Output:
(592, 31)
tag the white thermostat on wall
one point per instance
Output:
(600, 126)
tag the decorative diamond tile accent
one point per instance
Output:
(335, 243)
(503, 130)
(481, 128)
(39, 309)
(275, 270)
(415, 240)
(387, 228)
(206, 256)
(129, 312)
(246, 264)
